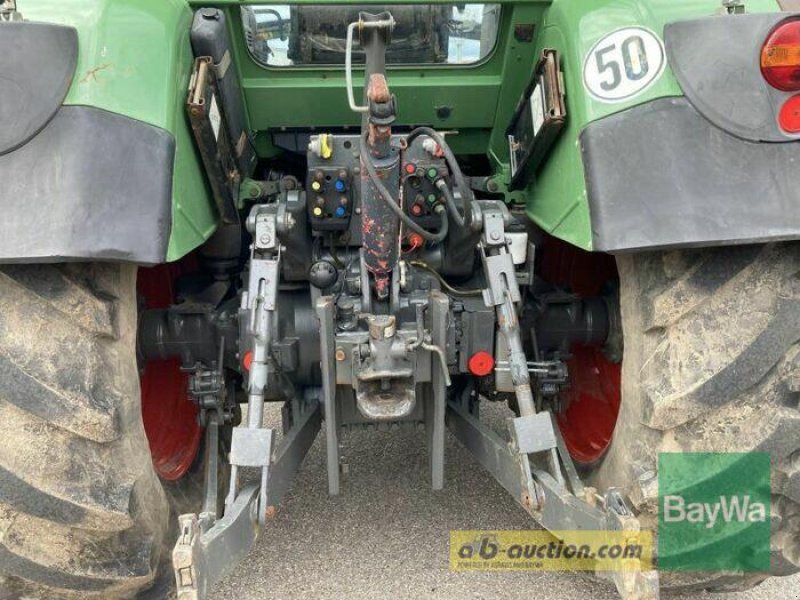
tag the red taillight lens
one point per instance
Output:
(789, 117)
(780, 57)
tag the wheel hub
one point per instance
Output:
(590, 405)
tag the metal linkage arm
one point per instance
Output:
(557, 506)
(534, 465)
(502, 293)
(251, 446)
(361, 24)
(208, 549)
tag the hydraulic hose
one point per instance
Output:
(453, 291)
(395, 207)
(451, 202)
(466, 193)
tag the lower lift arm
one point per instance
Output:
(535, 467)
(208, 547)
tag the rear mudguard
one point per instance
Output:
(693, 157)
(96, 156)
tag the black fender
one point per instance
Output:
(661, 175)
(76, 182)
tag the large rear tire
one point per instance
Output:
(711, 364)
(82, 511)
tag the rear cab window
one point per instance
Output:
(284, 35)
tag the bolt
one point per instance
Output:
(492, 186)
(495, 235)
(264, 239)
(340, 354)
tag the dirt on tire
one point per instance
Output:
(711, 364)
(82, 512)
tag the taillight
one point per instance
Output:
(789, 117)
(780, 57)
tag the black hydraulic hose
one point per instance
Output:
(394, 206)
(466, 193)
(451, 202)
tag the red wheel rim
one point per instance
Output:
(170, 418)
(592, 404)
(169, 415)
(592, 400)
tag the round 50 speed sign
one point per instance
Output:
(623, 64)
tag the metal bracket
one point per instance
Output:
(203, 557)
(265, 234)
(263, 284)
(631, 585)
(251, 447)
(501, 279)
(533, 433)
(324, 308)
(495, 454)
(348, 56)
(8, 11)
(208, 549)
(436, 406)
(211, 476)
(733, 7)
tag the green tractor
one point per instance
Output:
(381, 215)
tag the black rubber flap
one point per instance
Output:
(37, 63)
(660, 175)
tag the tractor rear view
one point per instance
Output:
(388, 215)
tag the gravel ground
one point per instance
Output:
(386, 534)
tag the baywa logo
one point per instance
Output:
(714, 512)
(729, 509)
